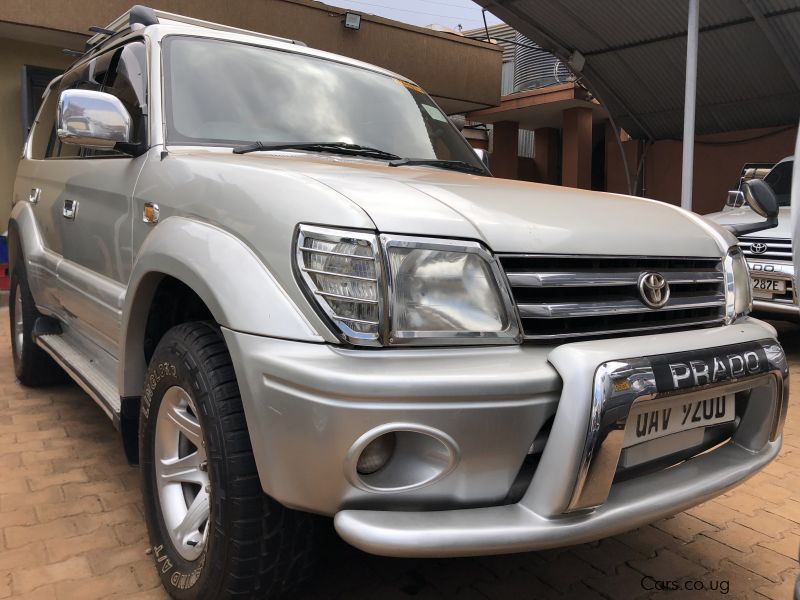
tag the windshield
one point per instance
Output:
(228, 93)
(780, 180)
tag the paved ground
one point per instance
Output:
(71, 525)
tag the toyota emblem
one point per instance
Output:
(759, 248)
(653, 289)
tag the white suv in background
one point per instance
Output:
(769, 252)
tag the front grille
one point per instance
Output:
(566, 296)
(766, 248)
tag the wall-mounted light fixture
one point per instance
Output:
(352, 20)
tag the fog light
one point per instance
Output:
(376, 454)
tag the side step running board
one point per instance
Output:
(81, 366)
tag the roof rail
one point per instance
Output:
(217, 26)
(141, 16)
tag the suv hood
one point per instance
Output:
(509, 216)
(745, 214)
(514, 216)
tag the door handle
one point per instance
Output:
(70, 209)
(34, 195)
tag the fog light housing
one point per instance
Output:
(377, 453)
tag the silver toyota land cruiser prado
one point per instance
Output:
(297, 291)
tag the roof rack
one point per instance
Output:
(141, 16)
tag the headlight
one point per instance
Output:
(342, 274)
(738, 286)
(401, 290)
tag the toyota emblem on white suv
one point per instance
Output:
(759, 248)
(654, 289)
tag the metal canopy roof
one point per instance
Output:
(635, 58)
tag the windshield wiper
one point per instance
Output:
(453, 165)
(332, 147)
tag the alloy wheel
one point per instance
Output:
(181, 471)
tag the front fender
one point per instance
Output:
(223, 271)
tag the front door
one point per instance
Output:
(88, 197)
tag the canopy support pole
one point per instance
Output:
(689, 103)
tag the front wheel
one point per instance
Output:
(213, 531)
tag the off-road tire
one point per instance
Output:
(32, 366)
(255, 548)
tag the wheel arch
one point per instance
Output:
(14, 246)
(200, 256)
(176, 279)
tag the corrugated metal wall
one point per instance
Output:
(504, 33)
(535, 68)
(525, 67)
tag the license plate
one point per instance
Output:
(767, 287)
(651, 420)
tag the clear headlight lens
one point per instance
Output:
(738, 286)
(443, 289)
(403, 290)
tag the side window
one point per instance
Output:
(44, 125)
(121, 73)
(127, 80)
(88, 76)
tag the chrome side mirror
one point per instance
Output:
(483, 155)
(735, 199)
(762, 200)
(93, 119)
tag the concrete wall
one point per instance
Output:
(13, 55)
(718, 162)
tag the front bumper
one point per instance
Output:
(308, 405)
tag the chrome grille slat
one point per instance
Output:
(615, 307)
(628, 330)
(587, 296)
(613, 278)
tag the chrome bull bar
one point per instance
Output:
(621, 384)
